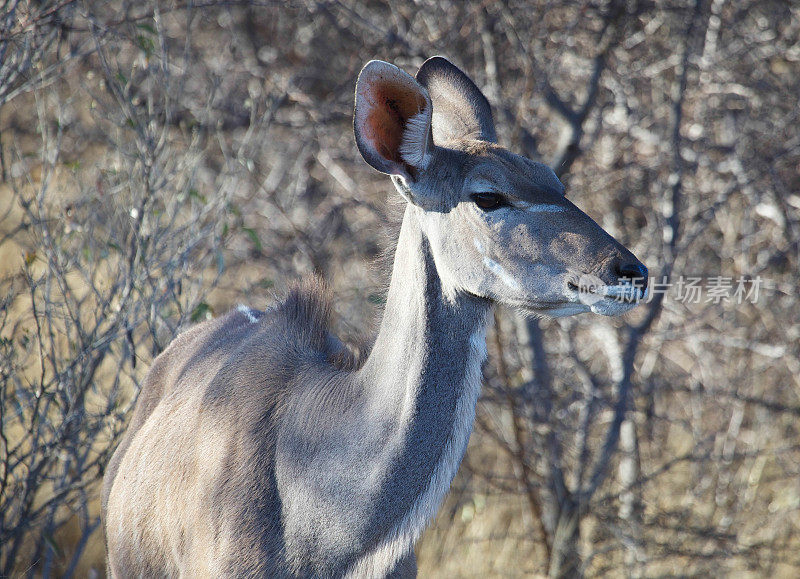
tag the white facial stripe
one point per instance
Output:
(542, 208)
(500, 272)
(481, 186)
(496, 268)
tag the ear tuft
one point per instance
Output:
(414, 146)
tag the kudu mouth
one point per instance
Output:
(629, 289)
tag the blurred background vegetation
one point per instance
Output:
(163, 161)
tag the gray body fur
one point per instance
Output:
(258, 420)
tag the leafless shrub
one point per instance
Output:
(118, 252)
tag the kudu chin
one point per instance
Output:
(258, 447)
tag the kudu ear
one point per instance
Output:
(459, 108)
(392, 120)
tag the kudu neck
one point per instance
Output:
(425, 333)
(420, 382)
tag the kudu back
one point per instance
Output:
(258, 448)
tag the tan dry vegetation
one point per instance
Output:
(179, 159)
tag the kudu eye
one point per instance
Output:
(489, 201)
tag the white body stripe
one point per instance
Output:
(247, 312)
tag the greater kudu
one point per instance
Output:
(256, 449)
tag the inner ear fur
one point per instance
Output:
(392, 119)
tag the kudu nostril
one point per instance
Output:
(635, 272)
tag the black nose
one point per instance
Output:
(635, 272)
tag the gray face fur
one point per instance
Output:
(259, 448)
(536, 250)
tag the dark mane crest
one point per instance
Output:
(306, 312)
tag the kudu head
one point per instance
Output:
(498, 224)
